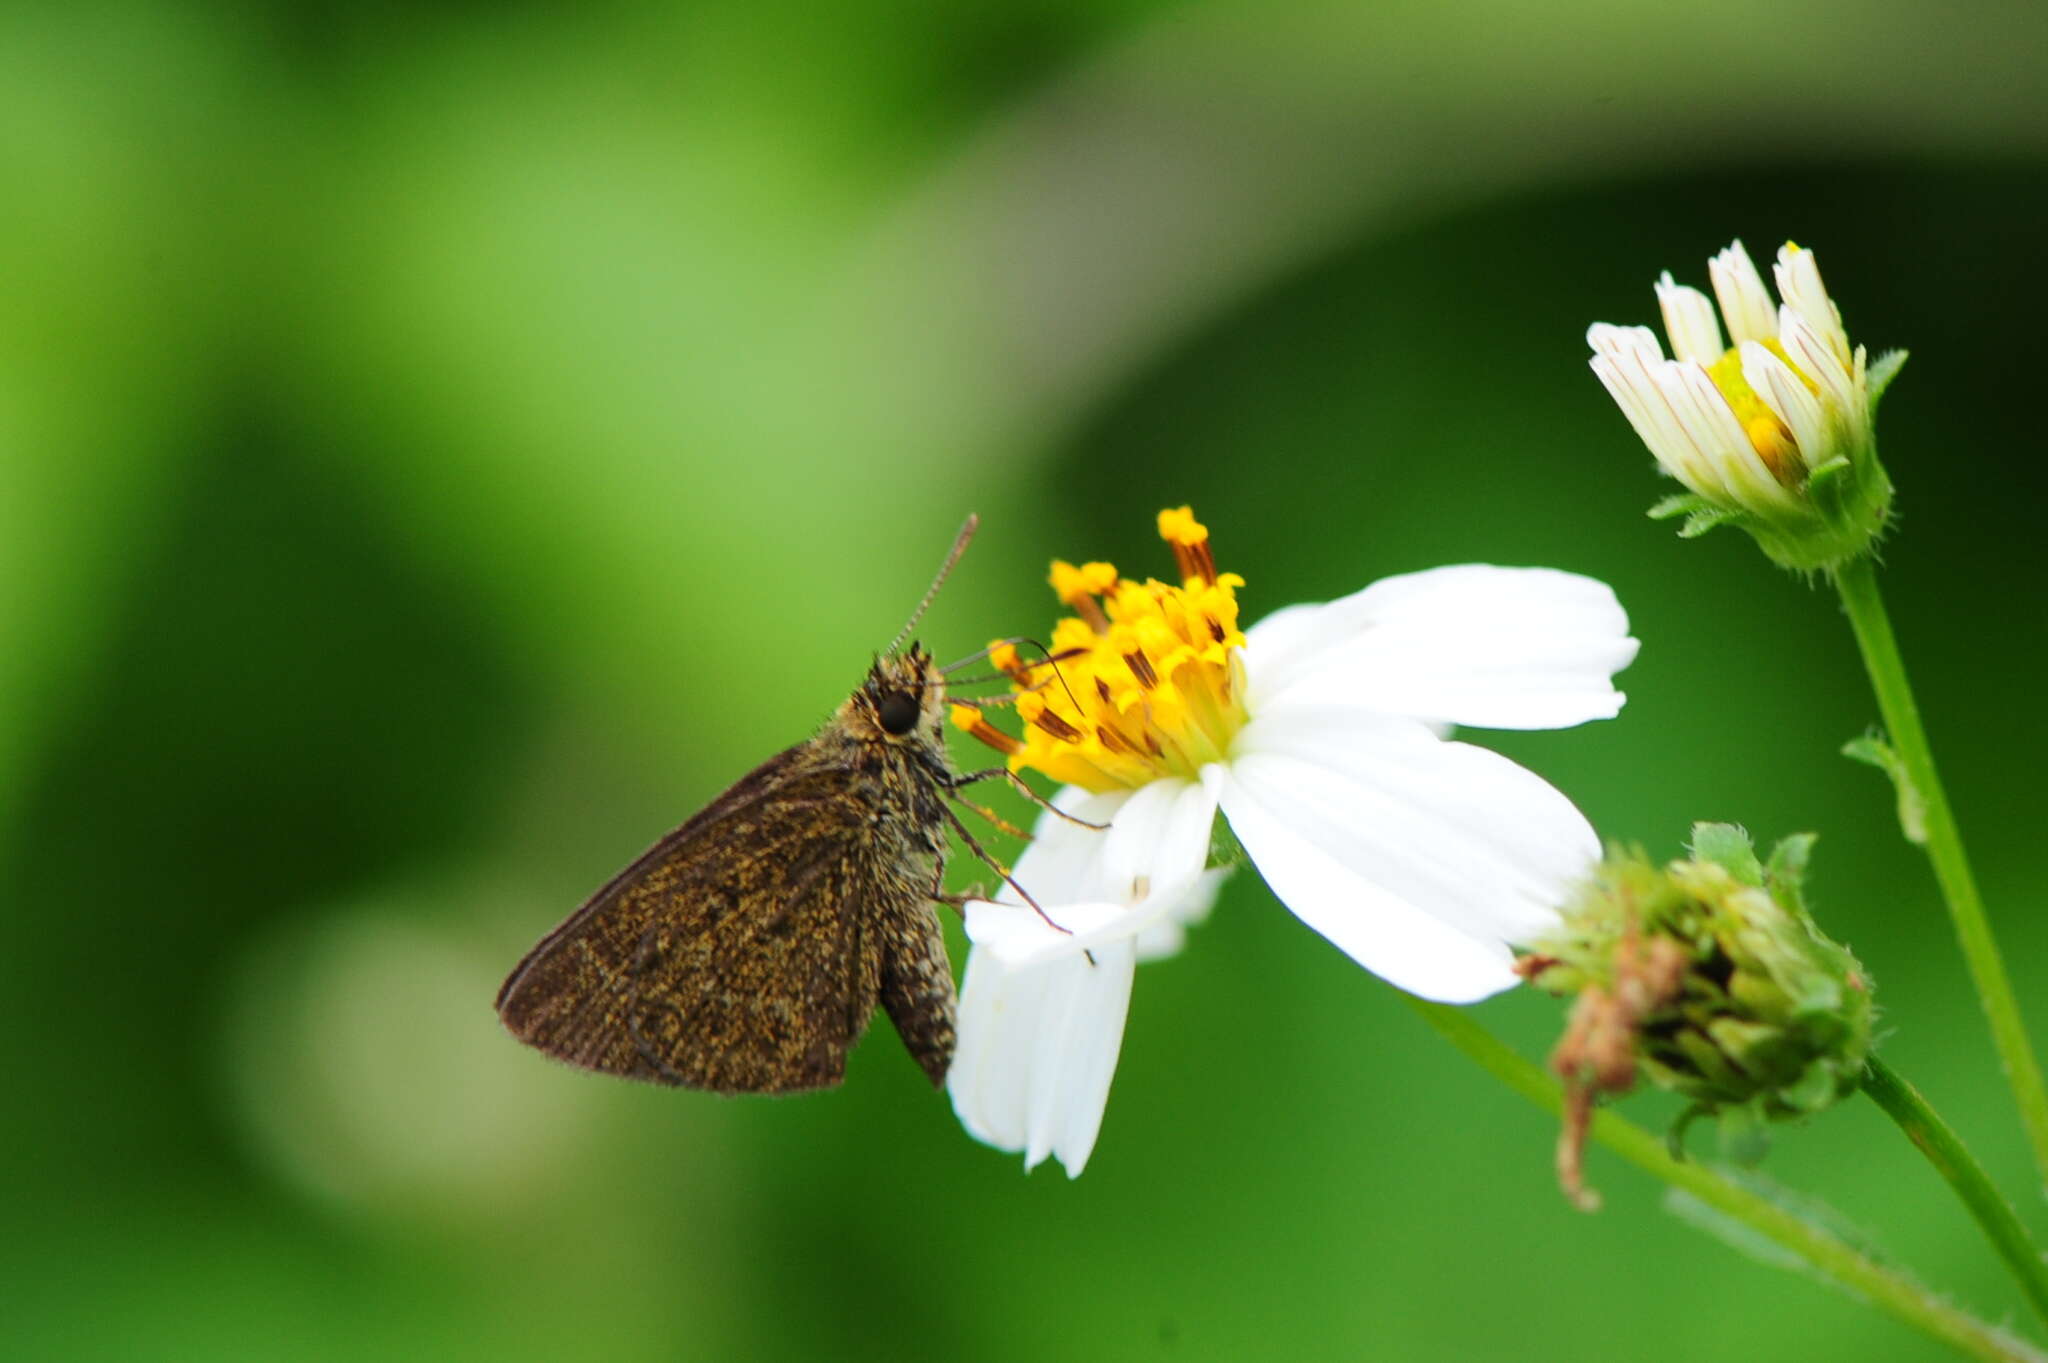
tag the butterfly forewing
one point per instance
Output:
(746, 951)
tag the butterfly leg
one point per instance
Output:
(1023, 787)
(998, 867)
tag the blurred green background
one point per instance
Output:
(443, 445)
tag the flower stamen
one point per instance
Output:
(1149, 684)
(970, 720)
(1190, 541)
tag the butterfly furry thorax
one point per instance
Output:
(746, 951)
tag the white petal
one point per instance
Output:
(1456, 829)
(1043, 1003)
(1159, 839)
(1063, 861)
(1507, 648)
(1689, 322)
(1447, 852)
(1037, 1049)
(1393, 939)
(1078, 1037)
(1745, 302)
(1166, 934)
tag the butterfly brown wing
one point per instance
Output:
(742, 953)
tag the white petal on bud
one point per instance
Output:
(1787, 397)
(1749, 480)
(1745, 303)
(1799, 285)
(1638, 386)
(1814, 356)
(1689, 322)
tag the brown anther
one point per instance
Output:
(1090, 611)
(1195, 560)
(1141, 668)
(1216, 630)
(1059, 728)
(1114, 741)
(1102, 690)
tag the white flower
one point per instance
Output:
(1775, 432)
(1318, 734)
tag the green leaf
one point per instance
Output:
(1874, 751)
(1750, 1243)
(1809, 1210)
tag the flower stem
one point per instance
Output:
(1896, 1295)
(1857, 583)
(1953, 1161)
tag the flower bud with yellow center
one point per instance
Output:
(1770, 430)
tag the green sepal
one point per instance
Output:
(1700, 514)
(1828, 485)
(1874, 751)
(1745, 1136)
(1674, 1138)
(1700, 522)
(1785, 876)
(1814, 1090)
(1729, 847)
(1882, 372)
(1680, 504)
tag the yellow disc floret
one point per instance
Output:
(1144, 679)
(1769, 436)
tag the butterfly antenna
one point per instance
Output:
(967, 530)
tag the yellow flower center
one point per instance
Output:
(1769, 436)
(1144, 679)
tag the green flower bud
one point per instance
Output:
(1775, 435)
(1708, 977)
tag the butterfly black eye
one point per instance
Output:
(897, 712)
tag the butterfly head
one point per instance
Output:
(903, 699)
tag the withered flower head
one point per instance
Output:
(1708, 977)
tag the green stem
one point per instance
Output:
(1953, 1161)
(1899, 1297)
(1857, 583)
